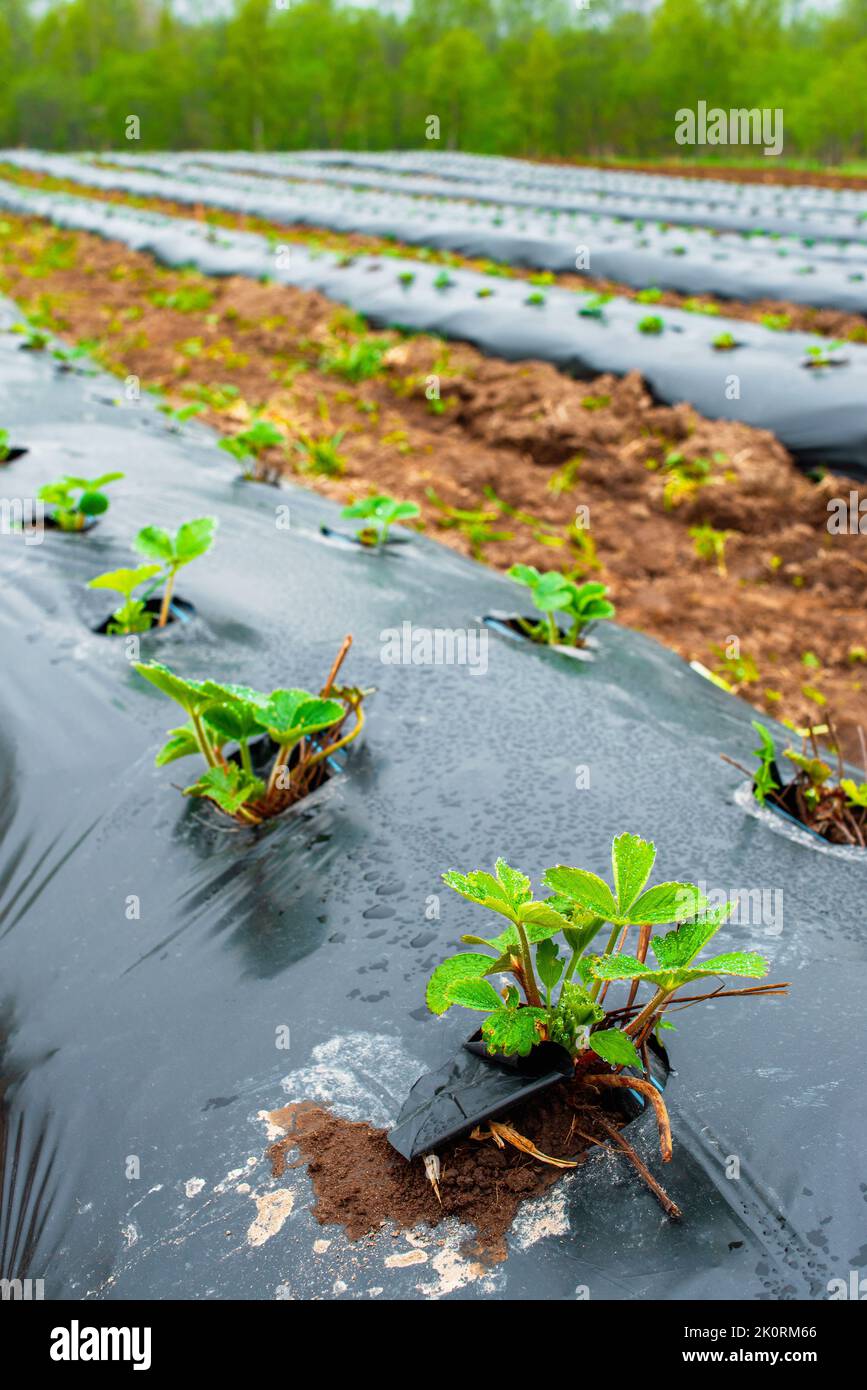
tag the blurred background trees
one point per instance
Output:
(527, 77)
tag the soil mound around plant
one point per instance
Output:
(361, 1183)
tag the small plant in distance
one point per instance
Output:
(834, 809)
(651, 323)
(725, 342)
(649, 296)
(379, 512)
(320, 454)
(822, 355)
(558, 980)
(74, 500)
(35, 340)
(710, 545)
(305, 729)
(536, 298)
(5, 446)
(355, 361)
(172, 552)
(248, 445)
(594, 306)
(132, 615)
(443, 281)
(552, 592)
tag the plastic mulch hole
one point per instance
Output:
(472, 1087)
(87, 525)
(508, 626)
(180, 611)
(12, 454)
(784, 804)
(372, 547)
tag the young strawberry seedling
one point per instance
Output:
(380, 513)
(172, 553)
(355, 361)
(168, 554)
(557, 983)
(835, 810)
(552, 593)
(822, 355)
(725, 342)
(305, 730)
(248, 445)
(651, 323)
(74, 500)
(132, 615)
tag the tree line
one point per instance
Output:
(522, 77)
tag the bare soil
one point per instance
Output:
(361, 1183)
(781, 620)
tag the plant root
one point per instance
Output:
(646, 1088)
(503, 1134)
(671, 1209)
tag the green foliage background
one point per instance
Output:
(525, 77)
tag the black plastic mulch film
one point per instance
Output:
(820, 270)
(818, 413)
(153, 957)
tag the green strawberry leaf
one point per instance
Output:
(549, 965)
(479, 887)
(230, 787)
(586, 889)
(632, 860)
(668, 902)
(679, 947)
(180, 744)
(515, 884)
(612, 1045)
(466, 966)
(513, 1031)
(474, 994)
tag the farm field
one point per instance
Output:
(433, 538)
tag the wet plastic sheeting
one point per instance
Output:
(146, 1044)
(817, 413)
(827, 274)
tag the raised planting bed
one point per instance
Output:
(817, 415)
(180, 982)
(758, 266)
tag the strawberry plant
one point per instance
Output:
(248, 445)
(379, 512)
(552, 593)
(132, 615)
(822, 355)
(725, 342)
(5, 446)
(557, 981)
(834, 809)
(74, 500)
(651, 323)
(594, 306)
(304, 729)
(172, 553)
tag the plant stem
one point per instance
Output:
(281, 761)
(245, 756)
(553, 630)
(607, 952)
(167, 598)
(531, 988)
(202, 740)
(637, 1026)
